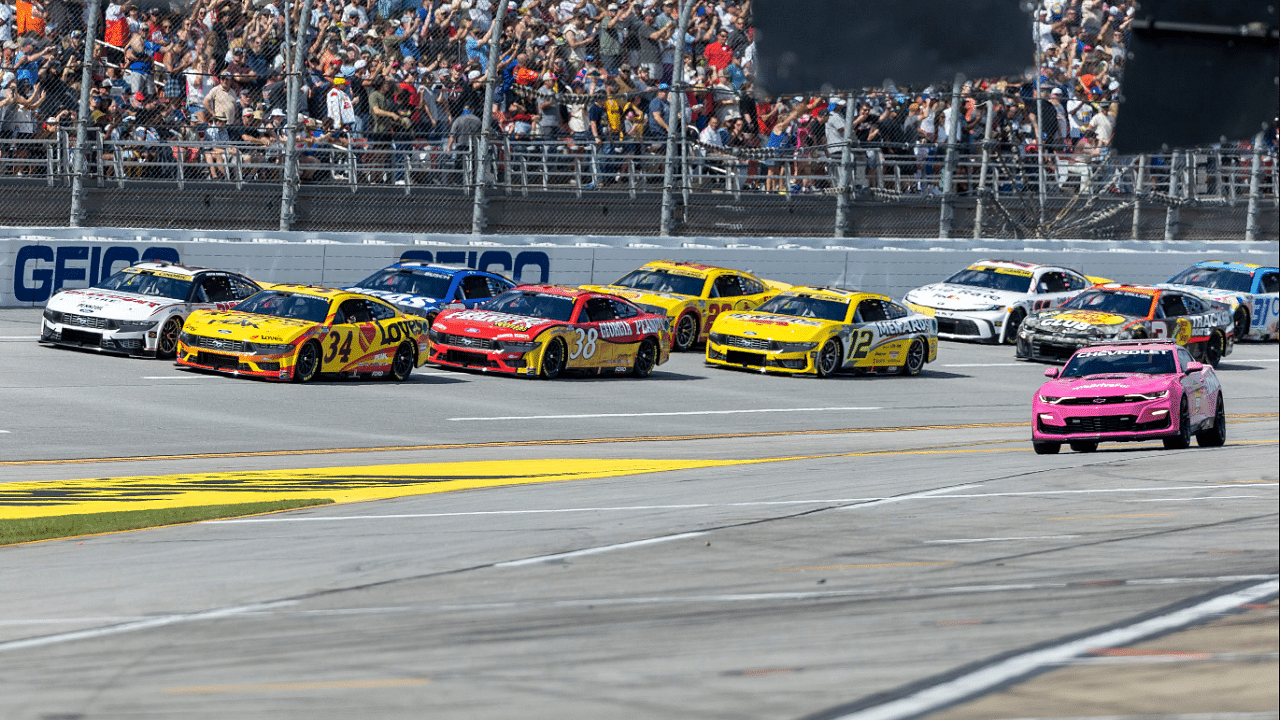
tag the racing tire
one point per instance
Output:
(686, 333)
(914, 361)
(167, 339)
(1182, 440)
(1241, 323)
(829, 357)
(1215, 436)
(1011, 327)
(646, 358)
(307, 365)
(553, 360)
(1084, 446)
(402, 364)
(1045, 448)
(1214, 348)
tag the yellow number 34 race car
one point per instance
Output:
(822, 331)
(296, 332)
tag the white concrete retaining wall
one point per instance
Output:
(34, 262)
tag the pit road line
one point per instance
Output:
(1010, 669)
(657, 414)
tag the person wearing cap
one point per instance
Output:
(548, 109)
(656, 122)
(221, 102)
(579, 36)
(338, 106)
(609, 42)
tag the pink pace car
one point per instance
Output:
(1126, 391)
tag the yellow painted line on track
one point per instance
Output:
(866, 566)
(1100, 517)
(295, 686)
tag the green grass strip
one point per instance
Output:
(63, 526)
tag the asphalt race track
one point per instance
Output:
(768, 548)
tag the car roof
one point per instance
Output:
(175, 268)
(1142, 289)
(833, 293)
(562, 290)
(441, 268)
(688, 267)
(1228, 265)
(1010, 264)
(316, 291)
(1150, 345)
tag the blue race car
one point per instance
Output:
(423, 289)
(1252, 291)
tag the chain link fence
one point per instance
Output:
(562, 187)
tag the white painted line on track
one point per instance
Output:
(988, 365)
(1260, 359)
(911, 496)
(974, 683)
(998, 539)
(864, 502)
(19, 337)
(1206, 497)
(147, 624)
(659, 414)
(5, 432)
(597, 550)
(1268, 715)
(172, 377)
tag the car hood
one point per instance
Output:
(666, 301)
(109, 304)
(769, 326)
(1049, 318)
(236, 325)
(490, 325)
(946, 296)
(403, 300)
(1106, 385)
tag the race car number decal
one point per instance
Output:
(336, 349)
(861, 344)
(584, 344)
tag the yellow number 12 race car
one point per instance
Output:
(822, 331)
(296, 332)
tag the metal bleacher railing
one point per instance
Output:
(1001, 192)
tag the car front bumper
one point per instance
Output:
(499, 361)
(1046, 347)
(100, 339)
(267, 367)
(1112, 422)
(790, 363)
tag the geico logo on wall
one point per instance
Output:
(491, 260)
(40, 270)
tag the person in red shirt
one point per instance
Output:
(719, 54)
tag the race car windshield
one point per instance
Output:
(1116, 303)
(1125, 362)
(145, 283)
(1219, 279)
(286, 305)
(663, 282)
(992, 278)
(408, 282)
(528, 304)
(806, 307)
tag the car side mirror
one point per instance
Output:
(1194, 367)
(1051, 372)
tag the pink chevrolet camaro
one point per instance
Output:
(1127, 391)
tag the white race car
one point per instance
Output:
(141, 309)
(1252, 291)
(988, 300)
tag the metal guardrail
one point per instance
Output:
(889, 174)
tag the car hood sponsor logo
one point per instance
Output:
(488, 318)
(945, 296)
(1087, 317)
(651, 298)
(1084, 387)
(105, 304)
(403, 299)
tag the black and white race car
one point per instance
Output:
(141, 309)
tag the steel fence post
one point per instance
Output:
(1255, 191)
(982, 172)
(1171, 212)
(486, 119)
(82, 120)
(674, 116)
(289, 180)
(846, 171)
(1140, 179)
(947, 214)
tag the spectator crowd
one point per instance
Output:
(208, 80)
